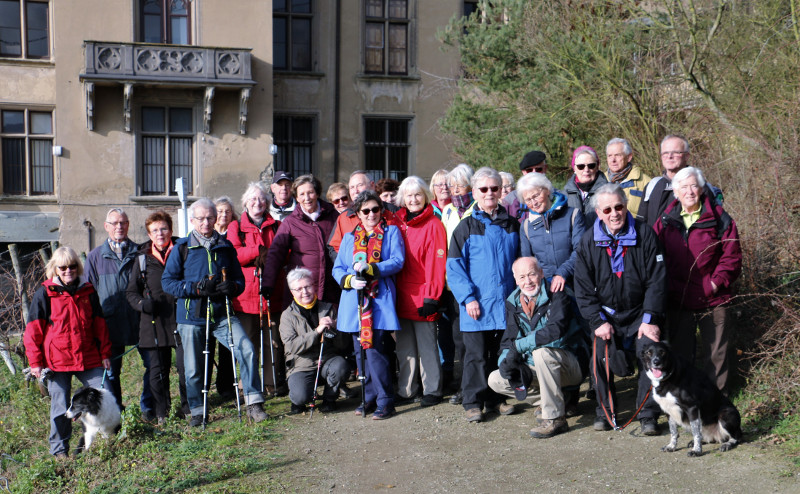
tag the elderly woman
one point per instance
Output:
(440, 190)
(66, 333)
(225, 214)
(305, 325)
(301, 242)
(704, 258)
(508, 184)
(552, 230)
(422, 279)
(251, 236)
(482, 250)
(339, 196)
(387, 189)
(584, 182)
(369, 258)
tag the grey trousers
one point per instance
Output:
(418, 355)
(60, 388)
(333, 373)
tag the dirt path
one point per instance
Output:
(436, 450)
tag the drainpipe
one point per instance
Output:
(89, 227)
(336, 71)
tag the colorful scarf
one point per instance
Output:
(461, 203)
(618, 177)
(367, 248)
(616, 245)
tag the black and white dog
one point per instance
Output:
(690, 399)
(98, 411)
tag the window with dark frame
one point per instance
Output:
(294, 136)
(165, 21)
(166, 149)
(470, 6)
(291, 34)
(386, 37)
(26, 144)
(24, 29)
(386, 147)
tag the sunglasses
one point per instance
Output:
(493, 188)
(617, 208)
(71, 266)
(537, 169)
(341, 199)
(591, 166)
(374, 209)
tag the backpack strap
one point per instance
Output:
(142, 258)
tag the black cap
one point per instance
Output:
(282, 176)
(533, 158)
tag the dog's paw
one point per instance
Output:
(725, 447)
(668, 448)
(690, 445)
(692, 453)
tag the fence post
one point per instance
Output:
(23, 294)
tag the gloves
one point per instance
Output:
(147, 306)
(360, 267)
(261, 260)
(265, 291)
(206, 287)
(357, 283)
(429, 307)
(227, 288)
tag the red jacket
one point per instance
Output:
(708, 251)
(424, 269)
(246, 237)
(66, 333)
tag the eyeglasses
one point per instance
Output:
(493, 188)
(537, 169)
(591, 166)
(73, 267)
(617, 208)
(440, 185)
(670, 154)
(209, 219)
(508, 187)
(374, 209)
(118, 223)
(457, 186)
(343, 199)
(306, 288)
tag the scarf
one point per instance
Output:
(258, 223)
(528, 304)
(461, 203)
(585, 187)
(161, 255)
(118, 247)
(309, 312)
(367, 248)
(312, 216)
(206, 242)
(70, 288)
(618, 177)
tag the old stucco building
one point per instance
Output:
(105, 103)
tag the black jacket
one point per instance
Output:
(640, 290)
(161, 321)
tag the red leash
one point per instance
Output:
(613, 419)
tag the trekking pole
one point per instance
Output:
(206, 352)
(233, 351)
(261, 331)
(362, 372)
(316, 379)
(271, 351)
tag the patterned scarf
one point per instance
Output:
(461, 203)
(367, 248)
(118, 247)
(618, 177)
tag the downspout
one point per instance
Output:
(336, 85)
(88, 225)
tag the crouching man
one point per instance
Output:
(542, 340)
(305, 325)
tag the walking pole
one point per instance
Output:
(316, 379)
(271, 351)
(233, 351)
(206, 353)
(362, 372)
(261, 331)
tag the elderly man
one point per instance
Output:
(307, 327)
(533, 162)
(620, 285)
(658, 193)
(282, 201)
(542, 340)
(622, 171)
(108, 268)
(196, 277)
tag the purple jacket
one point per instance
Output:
(708, 251)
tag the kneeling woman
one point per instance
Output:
(67, 334)
(303, 325)
(375, 252)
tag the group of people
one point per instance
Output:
(532, 289)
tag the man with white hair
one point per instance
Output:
(622, 171)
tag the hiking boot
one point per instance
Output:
(601, 424)
(457, 398)
(382, 413)
(537, 414)
(401, 400)
(506, 409)
(649, 427)
(297, 409)
(327, 406)
(549, 428)
(371, 406)
(474, 415)
(430, 400)
(196, 421)
(256, 412)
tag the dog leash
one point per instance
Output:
(105, 371)
(613, 419)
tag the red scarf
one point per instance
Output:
(367, 248)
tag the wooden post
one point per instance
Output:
(23, 294)
(44, 255)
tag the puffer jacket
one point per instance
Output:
(423, 273)
(708, 251)
(160, 323)
(479, 262)
(553, 238)
(246, 238)
(109, 275)
(575, 198)
(301, 341)
(66, 333)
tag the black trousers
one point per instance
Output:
(160, 359)
(480, 359)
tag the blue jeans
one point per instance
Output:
(193, 339)
(60, 388)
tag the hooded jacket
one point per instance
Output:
(109, 275)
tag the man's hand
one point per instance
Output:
(557, 284)
(649, 330)
(325, 322)
(605, 331)
(107, 364)
(474, 309)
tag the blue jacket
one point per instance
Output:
(553, 238)
(189, 263)
(384, 315)
(479, 262)
(110, 275)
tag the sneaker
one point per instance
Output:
(297, 409)
(371, 406)
(457, 398)
(601, 424)
(327, 406)
(506, 409)
(382, 413)
(430, 400)
(196, 421)
(649, 427)
(400, 400)
(549, 428)
(474, 415)
(256, 412)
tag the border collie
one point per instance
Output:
(690, 399)
(98, 411)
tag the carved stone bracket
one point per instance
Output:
(127, 96)
(244, 97)
(208, 108)
(89, 87)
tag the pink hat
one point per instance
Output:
(580, 150)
